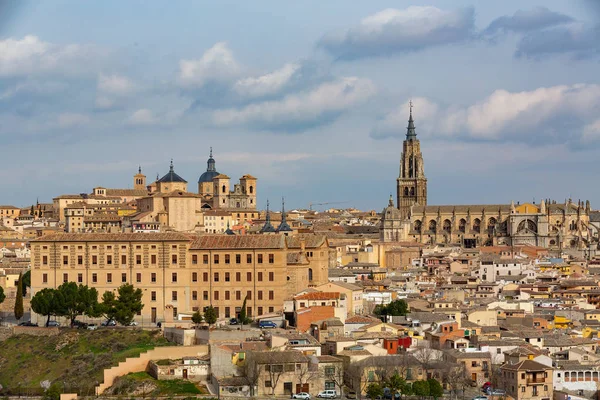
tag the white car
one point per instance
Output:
(301, 395)
(327, 394)
(92, 327)
(480, 398)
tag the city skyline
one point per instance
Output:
(311, 101)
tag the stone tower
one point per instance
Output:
(411, 183)
(139, 180)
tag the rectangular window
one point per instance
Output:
(271, 276)
(259, 258)
(153, 277)
(227, 295)
(174, 312)
(44, 278)
(174, 277)
(227, 315)
(174, 259)
(153, 296)
(216, 277)
(249, 311)
(249, 294)
(194, 295)
(271, 258)
(271, 309)
(205, 276)
(260, 310)
(65, 278)
(79, 278)
(227, 278)
(44, 260)
(174, 295)
(109, 278)
(138, 277)
(238, 276)
(248, 258)
(94, 260)
(123, 277)
(123, 259)
(138, 259)
(227, 259)
(259, 295)
(216, 259)
(205, 259)
(94, 278)
(259, 276)
(205, 295)
(65, 260)
(194, 277)
(238, 258)
(153, 259)
(216, 295)
(271, 294)
(79, 260)
(249, 276)
(238, 295)
(109, 260)
(195, 259)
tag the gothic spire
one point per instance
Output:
(267, 227)
(211, 162)
(410, 130)
(283, 226)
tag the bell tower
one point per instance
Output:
(411, 183)
(139, 180)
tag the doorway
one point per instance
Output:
(287, 388)
(305, 387)
(185, 376)
(153, 314)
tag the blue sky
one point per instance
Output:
(310, 97)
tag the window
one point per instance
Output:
(79, 260)
(249, 276)
(109, 278)
(271, 309)
(227, 259)
(259, 258)
(216, 259)
(227, 277)
(227, 315)
(260, 310)
(249, 294)
(174, 295)
(94, 260)
(522, 389)
(174, 312)
(44, 260)
(205, 259)
(260, 295)
(173, 259)
(271, 258)
(238, 258)
(123, 259)
(123, 277)
(205, 295)
(65, 278)
(153, 296)
(153, 277)
(94, 278)
(227, 295)
(268, 383)
(248, 258)
(138, 259)
(44, 278)
(205, 276)
(194, 277)
(238, 295)
(216, 277)
(329, 385)
(109, 260)
(238, 276)
(80, 278)
(194, 295)
(174, 277)
(271, 276)
(216, 295)
(65, 260)
(271, 295)
(153, 259)
(194, 259)
(259, 277)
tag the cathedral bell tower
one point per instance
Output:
(411, 183)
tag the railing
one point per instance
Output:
(536, 380)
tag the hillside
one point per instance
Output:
(75, 359)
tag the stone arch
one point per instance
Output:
(447, 226)
(251, 189)
(432, 225)
(527, 225)
(223, 189)
(477, 225)
(310, 274)
(412, 191)
(417, 225)
(462, 225)
(491, 225)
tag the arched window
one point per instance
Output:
(462, 224)
(417, 226)
(310, 274)
(573, 226)
(432, 225)
(251, 189)
(477, 225)
(406, 191)
(491, 226)
(223, 189)
(412, 191)
(410, 167)
(527, 225)
(447, 226)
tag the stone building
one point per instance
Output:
(181, 273)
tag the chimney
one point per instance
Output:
(302, 245)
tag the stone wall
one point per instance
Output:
(139, 364)
(184, 337)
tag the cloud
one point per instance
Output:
(30, 55)
(578, 40)
(217, 64)
(394, 31)
(591, 132)
(527, 21)
(142, 117)
(69, 120)
(267, 84)
(115, 84)
(300, 111)
(32, 87)
(557, 114)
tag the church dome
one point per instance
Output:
(171, 176)
(211, 170)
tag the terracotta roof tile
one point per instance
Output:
(113, 237)
(319, 296)
(238, 242)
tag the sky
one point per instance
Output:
(310, 97)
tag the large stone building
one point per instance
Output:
(185, 273)
(549, 224)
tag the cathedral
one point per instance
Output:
(549, 224)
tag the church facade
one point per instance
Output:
(547, 224)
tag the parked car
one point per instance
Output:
(79, 324)
(52, 323)
(267, 324)
(301, 395)
(480, 398)
(27, 323)
(109, 322)
(351, 395)
(91, 327)
(234, 321)
(325, 394)
(496, 392)
(133, 323)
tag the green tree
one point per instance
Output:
(19, 311)
(398, 384)
(210, 315)
(26, 282)
(420, 388)
(128, 304)
(197, 317)
(2, 295)
(435, 388)
(74, 301)
(108, 306)
(44, 303)
(374, 391)
(243, 316)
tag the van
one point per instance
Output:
(267, 324)
(327, 394)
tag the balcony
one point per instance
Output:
(535, 381)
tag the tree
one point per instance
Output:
(2, 295)
(210, 315)
(435, 388)
(243, 316)
(108, 306)
(44, 303)
(26, 282)
(74, 301)
(333, 373)
(395, 308)
(420, 388)
(197, 317)
(374, 391)
(128, 304)
(398, 384)
(19, 311)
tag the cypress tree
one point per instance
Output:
(19, 300)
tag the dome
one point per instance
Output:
(171, 176)
(211, 170)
